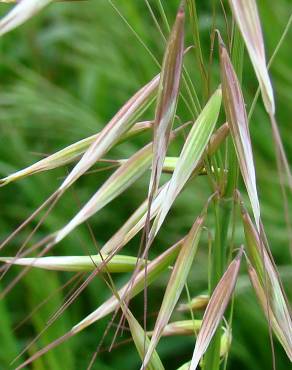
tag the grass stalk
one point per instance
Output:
(222, 213)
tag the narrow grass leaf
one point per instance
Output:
(167, 96)
(119, 263)
(20, 13)
(215, 309)
(268, 285)
(238, 123)
(175, 284)
(246, 15)
(68, 154)
(190, 156)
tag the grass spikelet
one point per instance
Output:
(246, 15)
(238, 123)
(132, 288)
(134, 223)
(119, 263)
(271, 318)
(20, 13)
(120, 180)
(175, 284)
(197, 303)
(184, 327)
(268, 285)
(68, 155)
(215, 309)
(141, 342)
(46, 99)
(137, 220)
(167, 96)
(118, 126)
(247, 18)
(225, 341)
(154, 269)
(190, 156)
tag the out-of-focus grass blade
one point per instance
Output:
(120, 180)
(118, 126)
(167, 96)
(119, 263)
(132, 288)
(268, 278)
(190, 156)
(137, 221)
(246, 15)
(141, 341)
(68, 154)
(196, 36)
(215, 309)
(175, 284)
(20, 13)
(196, 303)
(238, 123)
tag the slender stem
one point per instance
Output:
(223, 207)
(222, 211)
(198, 49)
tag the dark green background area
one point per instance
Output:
(62, 77)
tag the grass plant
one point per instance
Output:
(163, 212)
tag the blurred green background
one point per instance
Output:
(62, 77)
